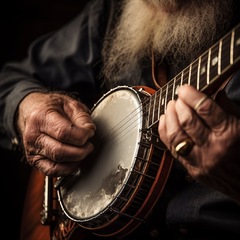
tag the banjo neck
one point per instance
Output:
(206, 73)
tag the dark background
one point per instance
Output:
(21, 21)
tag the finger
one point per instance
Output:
(162, 129)
(206, 108)
(51, 149)
(175, 132)
(193, 126)
(62, 129)
(79, 115)
(52, 169)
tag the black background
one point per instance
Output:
(21, 21)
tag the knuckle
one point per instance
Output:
(62, 134)
(188, 121)
(171, 138)
(206, 108)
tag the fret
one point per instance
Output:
(203, 70)
(155, 112)
(232, 47)
(181, 78)
(236, 53)
(166, 99)
(151, 109)
(159, 92)
(170, 90)
(148, 110)
(226, 51)
(185, 76)
(174, 95)
(177, 85)
(194, 73)
(209, 65)
(189, 74)
(214, 62)
(178, 79)
(162, 101)
(198, 72)
(220, 58)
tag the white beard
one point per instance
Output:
(176, 28)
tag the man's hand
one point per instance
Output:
(55, 132)
(214, 156)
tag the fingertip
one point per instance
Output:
(162, 117)
(161, 122)
(91, 133)
(91, 126)
(183, 90)
(188, 94)
(171, 105)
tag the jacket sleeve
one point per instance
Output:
(59, 60)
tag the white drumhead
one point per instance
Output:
(118, 117)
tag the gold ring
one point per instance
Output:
(184, 147)
(200, 102)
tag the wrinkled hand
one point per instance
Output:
(55, 132)
(215, 157)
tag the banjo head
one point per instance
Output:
(121, 181)
(87, 196)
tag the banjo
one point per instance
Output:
(121, 181)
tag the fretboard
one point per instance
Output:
(206, 73)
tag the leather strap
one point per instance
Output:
(159, 73)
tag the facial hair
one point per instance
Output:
(173, 29)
